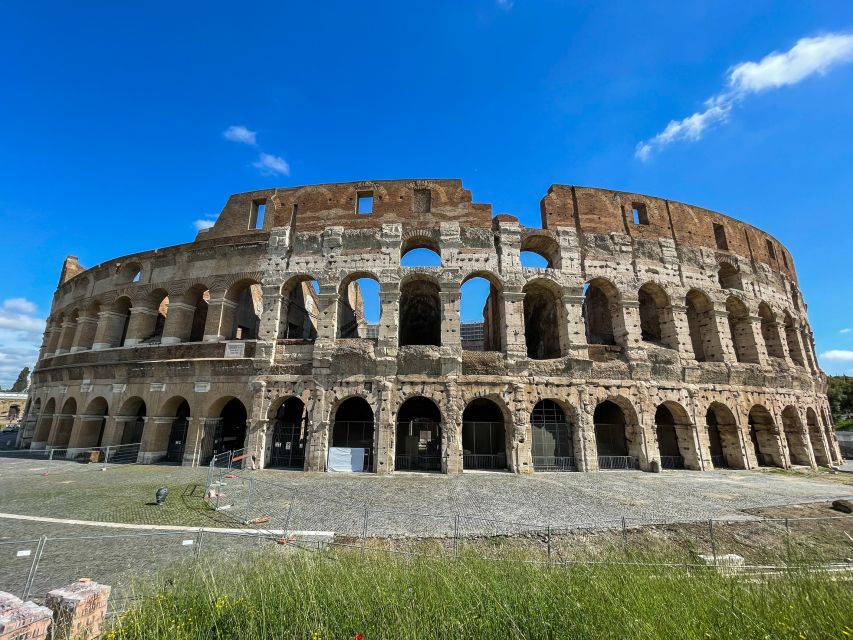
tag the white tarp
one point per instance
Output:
(346, 459)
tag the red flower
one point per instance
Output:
(358, 636)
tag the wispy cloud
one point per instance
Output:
(239, 133)
(506, 5)
(809, 56)
(20, 337)
(269, 165)
(204, 223)
(845, 331)
(837, 355)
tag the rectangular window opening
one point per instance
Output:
(785, 259)
(365, 202)
(771, 250)
(256, 218)
(720, 237)
(639, 213)
(422, 202)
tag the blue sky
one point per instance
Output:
(112, 118)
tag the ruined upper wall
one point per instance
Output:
(591, 210)
(417, 203)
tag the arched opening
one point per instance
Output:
(420, 313)
(792, 337)
(241, 322)
(743, 338)
(118, 323)
(53, 334)
(69, 328)
(703, 327)
(128, 273)
(670, 455)
(418, 446)
(178, 430)
(198, 297)
(131, 421)
(64, 424)
(795, 436)
(289, 435)
(611, 438)
(543, 320)
(540, 250)
(656, 321)
(13, 413)
(420, 257)
(552, 445)
(45, 421)
(601, 312)
(821, 453)
(147, 327)
(300, 314)
(352, 437)
(359, 308)
(87, 327)
(723, 438)
(92, 424)
(481, 314)
(764, 437)
(230, 429)
(484, 438)
(770, 332)
(729, 277)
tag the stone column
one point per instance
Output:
(66, 337)
(108, 333)
(155, 436)
(193, 442)
(142, 322)
(273, 312)
(451, 333)
(578, 348)
(385, 432)
(52, 334)
(795, 346)
(179, 323)
(682, 340)
(722, 349)
(319, 431)
(220, 318)
(583, 438)
(389, 301)
(85, 335)
(113, 431)
(756, 338)
(516, 347)
(629, 334)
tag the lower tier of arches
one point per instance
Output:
(383, 427)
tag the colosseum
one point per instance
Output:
(658, 335)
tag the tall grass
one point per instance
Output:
(278, 596)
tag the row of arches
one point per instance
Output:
(693, 328)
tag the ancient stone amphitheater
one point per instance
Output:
(659, 335)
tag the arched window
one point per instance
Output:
(819, 449)
(729, 277)
(703, 327)
(359, 308)
(544, 322)
(792, 337)
(656, 320)
(763, 435)
(551, 445)
(770, 332)
(484, 437)
(420, 313)
(289, 435)
(300, 313)
(418, 446)
(420, 257)
(743, 339)
(601, 312)
(611, 437)
(540, 250)
(352, 428)
(242, 322)
(795, 436)
(723, 438)
(229, 430)
(481, 314)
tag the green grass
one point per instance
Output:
(295, 595)
(844, 425)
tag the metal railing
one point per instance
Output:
(620, 463)
(484, 461)
(554, 463)
(114, 454)
(719, 461)
(671, 462)
(419, 462)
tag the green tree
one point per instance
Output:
(22, 382)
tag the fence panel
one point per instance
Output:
(16, 562)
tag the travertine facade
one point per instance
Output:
(661, 334)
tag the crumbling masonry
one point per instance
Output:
(659, 335)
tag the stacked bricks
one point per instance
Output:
(21, 620)
(79, 609)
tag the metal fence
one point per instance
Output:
(118, 454)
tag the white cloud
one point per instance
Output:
(506, 5)
(204, 223)
(845, 331)
(809, 56)
(269, 164)
(21, 305)
(239, 133)
(837, 355)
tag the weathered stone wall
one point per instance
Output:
(714, 328)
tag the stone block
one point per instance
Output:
(21, 620)
(79, 610)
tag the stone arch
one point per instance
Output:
(225, 427)
(544, 320)
(602, 312)
(422, 248)
(657, 324)
(69, 328)
(419, 439)
(61, 433)
(543, 244)
(743, 339)
(241, 317)
(729, 276)
(132, 421)
(724, 437)
(490, 335)
(289, 433)
(149, 318)
(300, 313)
(90, 427)
(675, 435)
(796, 437)
(552, 437)
(351, 319)
(353, 427)
(764, 435)
(486, 437)
(188, 315)
(770, 331)
(618, 435)
(701, 322)
(816, 438)
(117, 324)
(420, 311)
(792, 337)
(45, 421)
(128, 273)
